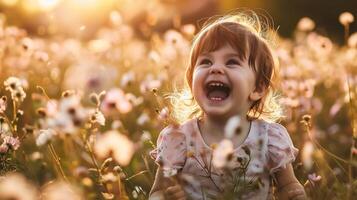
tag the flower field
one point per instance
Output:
(78, 117)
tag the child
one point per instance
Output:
(230, 74)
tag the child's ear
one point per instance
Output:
(257, 94)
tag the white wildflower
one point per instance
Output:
(146, 136)
(232, 127)
(221, 153)
(3, 104)
(117, 144)
(18, 95)
(45, 136)
(98, 117)
(12, 83)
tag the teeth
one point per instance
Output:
(216, 98)
(216, 84)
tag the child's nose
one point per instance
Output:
(217, 69)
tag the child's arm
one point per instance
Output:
(288, 187)
(164, 188)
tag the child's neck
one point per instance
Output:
(212, 130)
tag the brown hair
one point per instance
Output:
(247, 35)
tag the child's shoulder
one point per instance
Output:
(271, 127)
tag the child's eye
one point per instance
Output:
(232, 62)
(205, 62)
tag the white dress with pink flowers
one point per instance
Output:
(266, 149)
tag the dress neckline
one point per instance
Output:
(250, 133)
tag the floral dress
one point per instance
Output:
(266, 149)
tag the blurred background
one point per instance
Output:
(84, 87)
(48, 17)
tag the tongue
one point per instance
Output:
(219, 94)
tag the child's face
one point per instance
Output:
(223, 85)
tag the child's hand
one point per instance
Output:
(175, 193)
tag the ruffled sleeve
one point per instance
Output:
(171, 149)
(281, 150)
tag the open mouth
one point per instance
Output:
(217, 91)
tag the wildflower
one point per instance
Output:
(149, 83)
(127, 79)
(60, 190)
(117, 124)
(51, 108)
(146, 136)
(45, 136)
(36, 156)
(12, 142)
(306, 118)
(98, 117)
(188, 29)
(154, 56)
(133, 99)
(352, 40)
(306, 24)
(142, 119)
(112, 143)
(232, 127)
(68, 115)
(115, 100)
(3, 148)
(4, 129)
(221, 153)
(319, 44)
(15, 186)
(18, 95)
(116, 18)
(3, 102)
(313, 178)
(135, 193)
(346, 18)
(12, 83)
